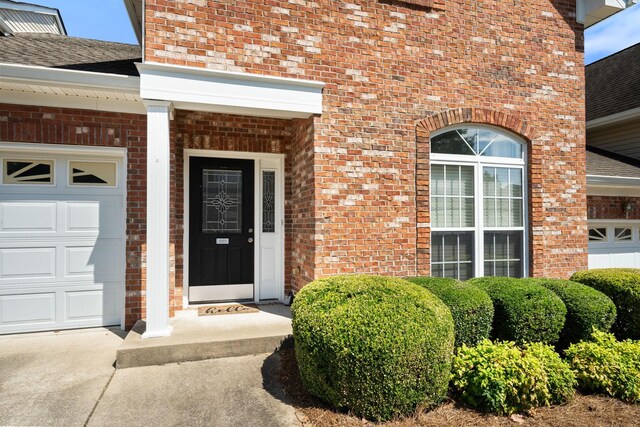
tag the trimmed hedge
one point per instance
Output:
(470, 306)
(587, 308)
(379, 346)
(622, 285)
(523, 312)
(504, 378)
(608, 366)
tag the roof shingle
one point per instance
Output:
(613, 83)
(605, 163)
(60, 51)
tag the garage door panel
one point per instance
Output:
(27, 217)
(103, 217)
(101, 304)
(100, 261)
(622, 259)
(83, 305)
(62, 247)
(83, 216)
(28, 263)
(28, 308)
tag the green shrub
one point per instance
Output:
(379, 346)
(523, 312)
(471, 307)
(622, 285)
(587, 308)
(606, 365)
(503, 378)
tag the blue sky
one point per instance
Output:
(613, 34)
(108, 20)
(94, 19)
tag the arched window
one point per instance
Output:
(478, 203)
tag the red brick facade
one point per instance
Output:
(612, 207)
(357, 176)
(388, 65)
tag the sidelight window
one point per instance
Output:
(268, 201)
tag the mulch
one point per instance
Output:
(582, 411)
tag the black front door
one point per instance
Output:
(221, 229)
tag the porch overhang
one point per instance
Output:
(200, 89)
(591, 12)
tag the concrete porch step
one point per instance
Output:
(208, 337)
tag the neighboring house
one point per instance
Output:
(259, 145)
(613, 159)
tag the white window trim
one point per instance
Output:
(478, 162)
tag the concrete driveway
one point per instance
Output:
(68, 378)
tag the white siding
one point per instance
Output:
(22, 21)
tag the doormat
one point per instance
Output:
(214, 310)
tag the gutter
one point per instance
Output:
(613, 181)
(614, 118)
(36, 75)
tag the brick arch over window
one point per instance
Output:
(506, 120)
(509, 121)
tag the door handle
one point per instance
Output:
(250, 240)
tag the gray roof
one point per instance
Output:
(60, 51)
(613, 83)
(606, 163)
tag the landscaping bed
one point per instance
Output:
(490, 351)
(581, 411)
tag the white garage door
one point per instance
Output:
(61, 239)
(614, 244)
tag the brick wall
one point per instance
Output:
(387, 65)
(94, 128)
(611, 207)
(300, 203)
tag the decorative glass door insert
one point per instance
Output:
(222, 201)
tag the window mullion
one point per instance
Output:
(509, 203)
(444, 193)
(479, 205)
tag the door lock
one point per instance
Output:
(251, 230)
(250, 239)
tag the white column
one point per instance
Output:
(158, 116)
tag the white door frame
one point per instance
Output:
(40, 150)
(258, 158)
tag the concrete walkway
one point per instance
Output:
(208, 337)
(68, 379)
